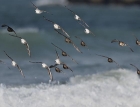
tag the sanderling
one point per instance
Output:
(15, 64)
(9, 29)
(122, 44)
(46, 67)
(64, 53)
(138, 71)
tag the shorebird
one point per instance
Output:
(64, 53)
(15, 64)
(66, 67)
(57, 27)
(9, 29)
(68, 40)
(76, 17)
(122, 44)
(110, 60)
(82, 42)
(138, 71)
(58, 70)
(137, 41)
(87, 31)
(23, 41)
(37, 10)
(46, 67)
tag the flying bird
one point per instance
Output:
(37, 10)
(66, 67)
(24, 42)
(82, 42)
(122, 44)
(137, 41)
(68, 40)
(46, 67)
(110, 60)
(77, 17)
(15, 64)
(87, 31)
(58, 70)
(9, 29)
(57, 27)
(138, 71)
(64, 53)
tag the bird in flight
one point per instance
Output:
(110, 60)
(46, 67)
(122, 44)
(9, 29)
(24, 42)
(57, 27)
(15, 64)
(138, 71)
(64, 53)
(77, 17)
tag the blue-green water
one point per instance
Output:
(94, 75)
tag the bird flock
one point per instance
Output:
(62, 32)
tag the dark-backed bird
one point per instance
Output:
(15, 64)
(64, 53)
(57, 27)
(110, 60)
(138, 71)
(68, 40)
(24, 42)
(122, 44)
(46, 67)
(9, 29)
(76, 17)
(82, 42)
(137, 41)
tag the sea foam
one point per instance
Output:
(115, 88)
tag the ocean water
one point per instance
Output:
(95, 82)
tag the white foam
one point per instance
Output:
(50, 2)
(115, 88)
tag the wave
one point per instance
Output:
(115, 88)
(50, 2)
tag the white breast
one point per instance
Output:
(38, 11)
(44, 65)
(14, 63)
(87, 31)
(122, 44)
(23, 41)
(57, 61)
(56, 26)
(77, 17)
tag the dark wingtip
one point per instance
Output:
(3, 25)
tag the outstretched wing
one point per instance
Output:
(76, 48)
(57, 54)
(64, 32)
(4, 25)
(50, 74)
(35, 62)
(115, 40)
(84, 22)
(27, 47)
(130, 47)
(20, 71)
(102, 56)
(56, 46)
(72, 59)
(51, 66)
(70, 10)
(60, 33)
(34, 5)
(134, 66)
(16, 36)
(116, 63)
(48, 20)
(8, 56)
